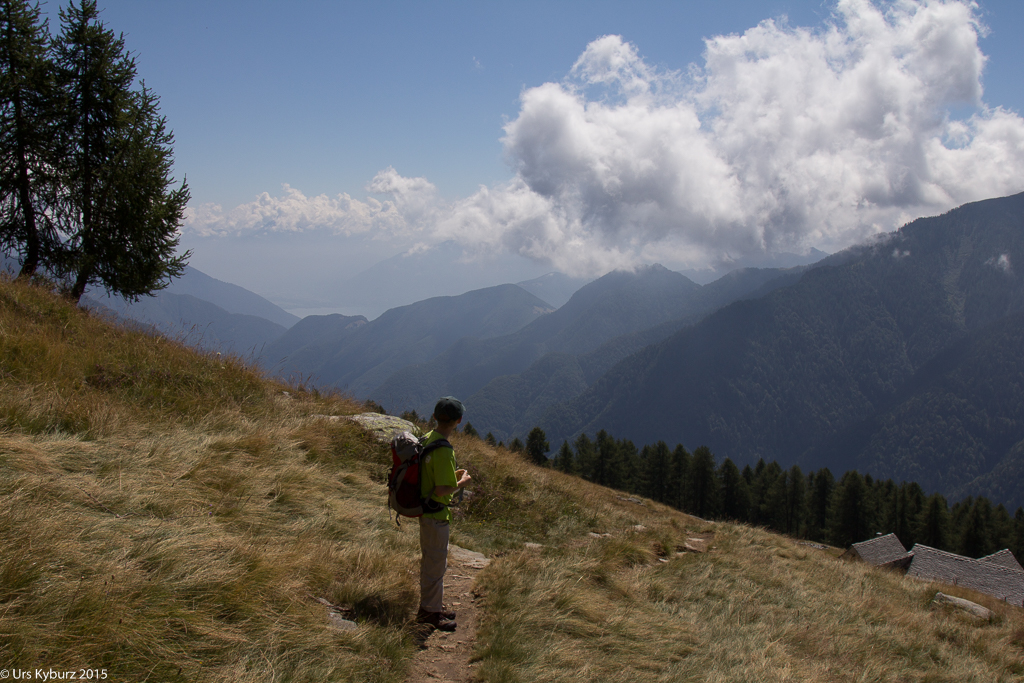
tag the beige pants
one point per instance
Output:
(434, 547)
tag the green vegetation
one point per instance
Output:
(85, 192)
(901, 358)
(173, 515)
(814, 506)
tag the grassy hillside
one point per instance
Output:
(173, 516)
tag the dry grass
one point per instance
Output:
(170, 515)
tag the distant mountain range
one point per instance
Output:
(204, 312)
(357, 356)
(901, 358)
(510, 380)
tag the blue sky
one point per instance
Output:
(448, 99)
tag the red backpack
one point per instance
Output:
(404, 482)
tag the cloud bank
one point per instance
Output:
(412, 199)
(785, 138)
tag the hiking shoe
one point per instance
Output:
(437, 620)
(445, 613)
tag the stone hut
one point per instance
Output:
(993, 575)
(882, 551)
(1004, 558)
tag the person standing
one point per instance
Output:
(439, 480)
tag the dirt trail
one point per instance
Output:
(445, 656)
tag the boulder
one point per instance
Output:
(972, 608)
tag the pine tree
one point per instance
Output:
(766, 497)
(1017, 537)
(117, 175)
(30, 107)
(933, 523)
(656, 471)
(909, 502)
(848, 514)
(564, 461)
(774, 506)
(818, 503)
(702, 484)
(469, 430)
(537, 446)
(735, 492)
(796, 501)
(1000, 528)
(678, 473)
(975, 540)
(586, 457)
(629, 466)
(603, 449)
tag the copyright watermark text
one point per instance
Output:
(53, 674)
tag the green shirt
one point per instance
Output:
(438, 469)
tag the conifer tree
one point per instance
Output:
(933, 523)
(603, 455)
(818, 503)
(765, 495)
(118, 172)
(1000, 528)
(774, 507)
(735, 492)
(564, 461)
(796, 501)
(537, 446)
(656, 471)
(909, 502)
(678, 473)
(702, 484)
(628, 461)
(975, 538)
(1016, 544)
(30, 106)
(848, 514)
(586, 457)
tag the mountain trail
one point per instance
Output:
(446, 656)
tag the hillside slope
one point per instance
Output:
(617, 304)
(358, 358)
(778, 377)
(173, 516)
(197, 322)
(510, 405)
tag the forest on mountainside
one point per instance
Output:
(815, 506)
(900, 357)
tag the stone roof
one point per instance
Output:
(987, 575)
(879, 551)
(1004, 558)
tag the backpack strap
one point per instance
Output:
(440, 443)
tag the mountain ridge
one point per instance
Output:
(769, 378)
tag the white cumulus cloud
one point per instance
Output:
(785, 138)
(412, 200)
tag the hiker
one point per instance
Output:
(439, 480)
